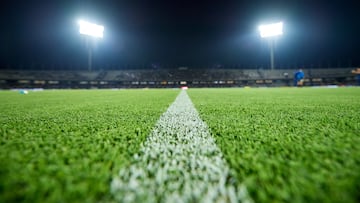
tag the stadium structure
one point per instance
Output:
(171, 78)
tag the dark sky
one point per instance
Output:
(180, 32)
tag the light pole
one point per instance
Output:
(270, 31)
(91, 31)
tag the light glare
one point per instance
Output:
(91, 29)
(271, 30)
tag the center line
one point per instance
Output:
(179, 162)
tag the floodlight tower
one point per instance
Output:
(271, 31)
(92, 31)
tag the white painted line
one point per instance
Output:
(179, 162)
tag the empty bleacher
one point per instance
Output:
(171, 78)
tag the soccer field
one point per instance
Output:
(281, 144)
(288, 144)
(65, 145)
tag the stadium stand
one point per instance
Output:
(158, 78)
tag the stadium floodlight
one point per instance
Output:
(91, 30)
(270, 31)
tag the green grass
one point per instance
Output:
(290, 144)
(285, 144)
(65, 146)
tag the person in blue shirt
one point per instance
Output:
(357, 73)
(299, 78)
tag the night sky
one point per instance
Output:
(180, 33)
